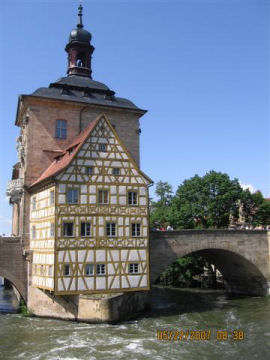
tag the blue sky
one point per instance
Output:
(201, 68)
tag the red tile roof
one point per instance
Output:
(64, 159)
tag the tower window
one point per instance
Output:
(102, 147)
(101, 270)
(133, 268)
(136, 229)
(110, 229)
(103, 197)
(132, 198)
(116, 171)
(79, 63)
(67, 229)
(85, 229)
(72, 196)
(61, 129)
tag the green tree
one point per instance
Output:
(262, 216)
(250, 203)
(207, 201)
(181, 272)
(159, 210)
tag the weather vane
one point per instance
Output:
(80, 9)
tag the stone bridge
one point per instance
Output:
(242, 256)
(13, 264)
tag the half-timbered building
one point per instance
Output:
(89, 217)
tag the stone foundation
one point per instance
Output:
(96, 308)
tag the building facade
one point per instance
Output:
(80, 200)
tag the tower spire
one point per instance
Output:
(80, 9)
(79, 49)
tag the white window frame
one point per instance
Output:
(132, 195)
(85, 228)
(137, 229)
(133, 268)
(74, 198)
(110, 229)
(63, 228)
(89, 266)
(103, 197)
(100, 269)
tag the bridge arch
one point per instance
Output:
(13, 264)
(15, 282)
(243, 260)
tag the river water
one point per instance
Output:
(33, 338)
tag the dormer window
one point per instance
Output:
(61, 129)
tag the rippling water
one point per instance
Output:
(46, 339)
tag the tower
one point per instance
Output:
(80, 200)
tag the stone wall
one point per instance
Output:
(107, 308)
(13, 264)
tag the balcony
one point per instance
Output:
(14, 190)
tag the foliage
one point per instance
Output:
(160, 209)
(250, 204)
(208, 201)
(182, 271)
(262, 216)
(23, 309)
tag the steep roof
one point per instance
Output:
(64, 159)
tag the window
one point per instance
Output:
(85, 229)
(67, 229)
(52, 197)
(102, 147)
(101, 269)
(116, 171)
(89, 269)
(79, 63)
(103, 196)
(52, 229)
(136, 229)
(61, 129)
(110, 229)
(89, 170)
(133, 268)
(66, 269)
(72, 196)
(33, 232)
(132, 198)
(34, 203)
